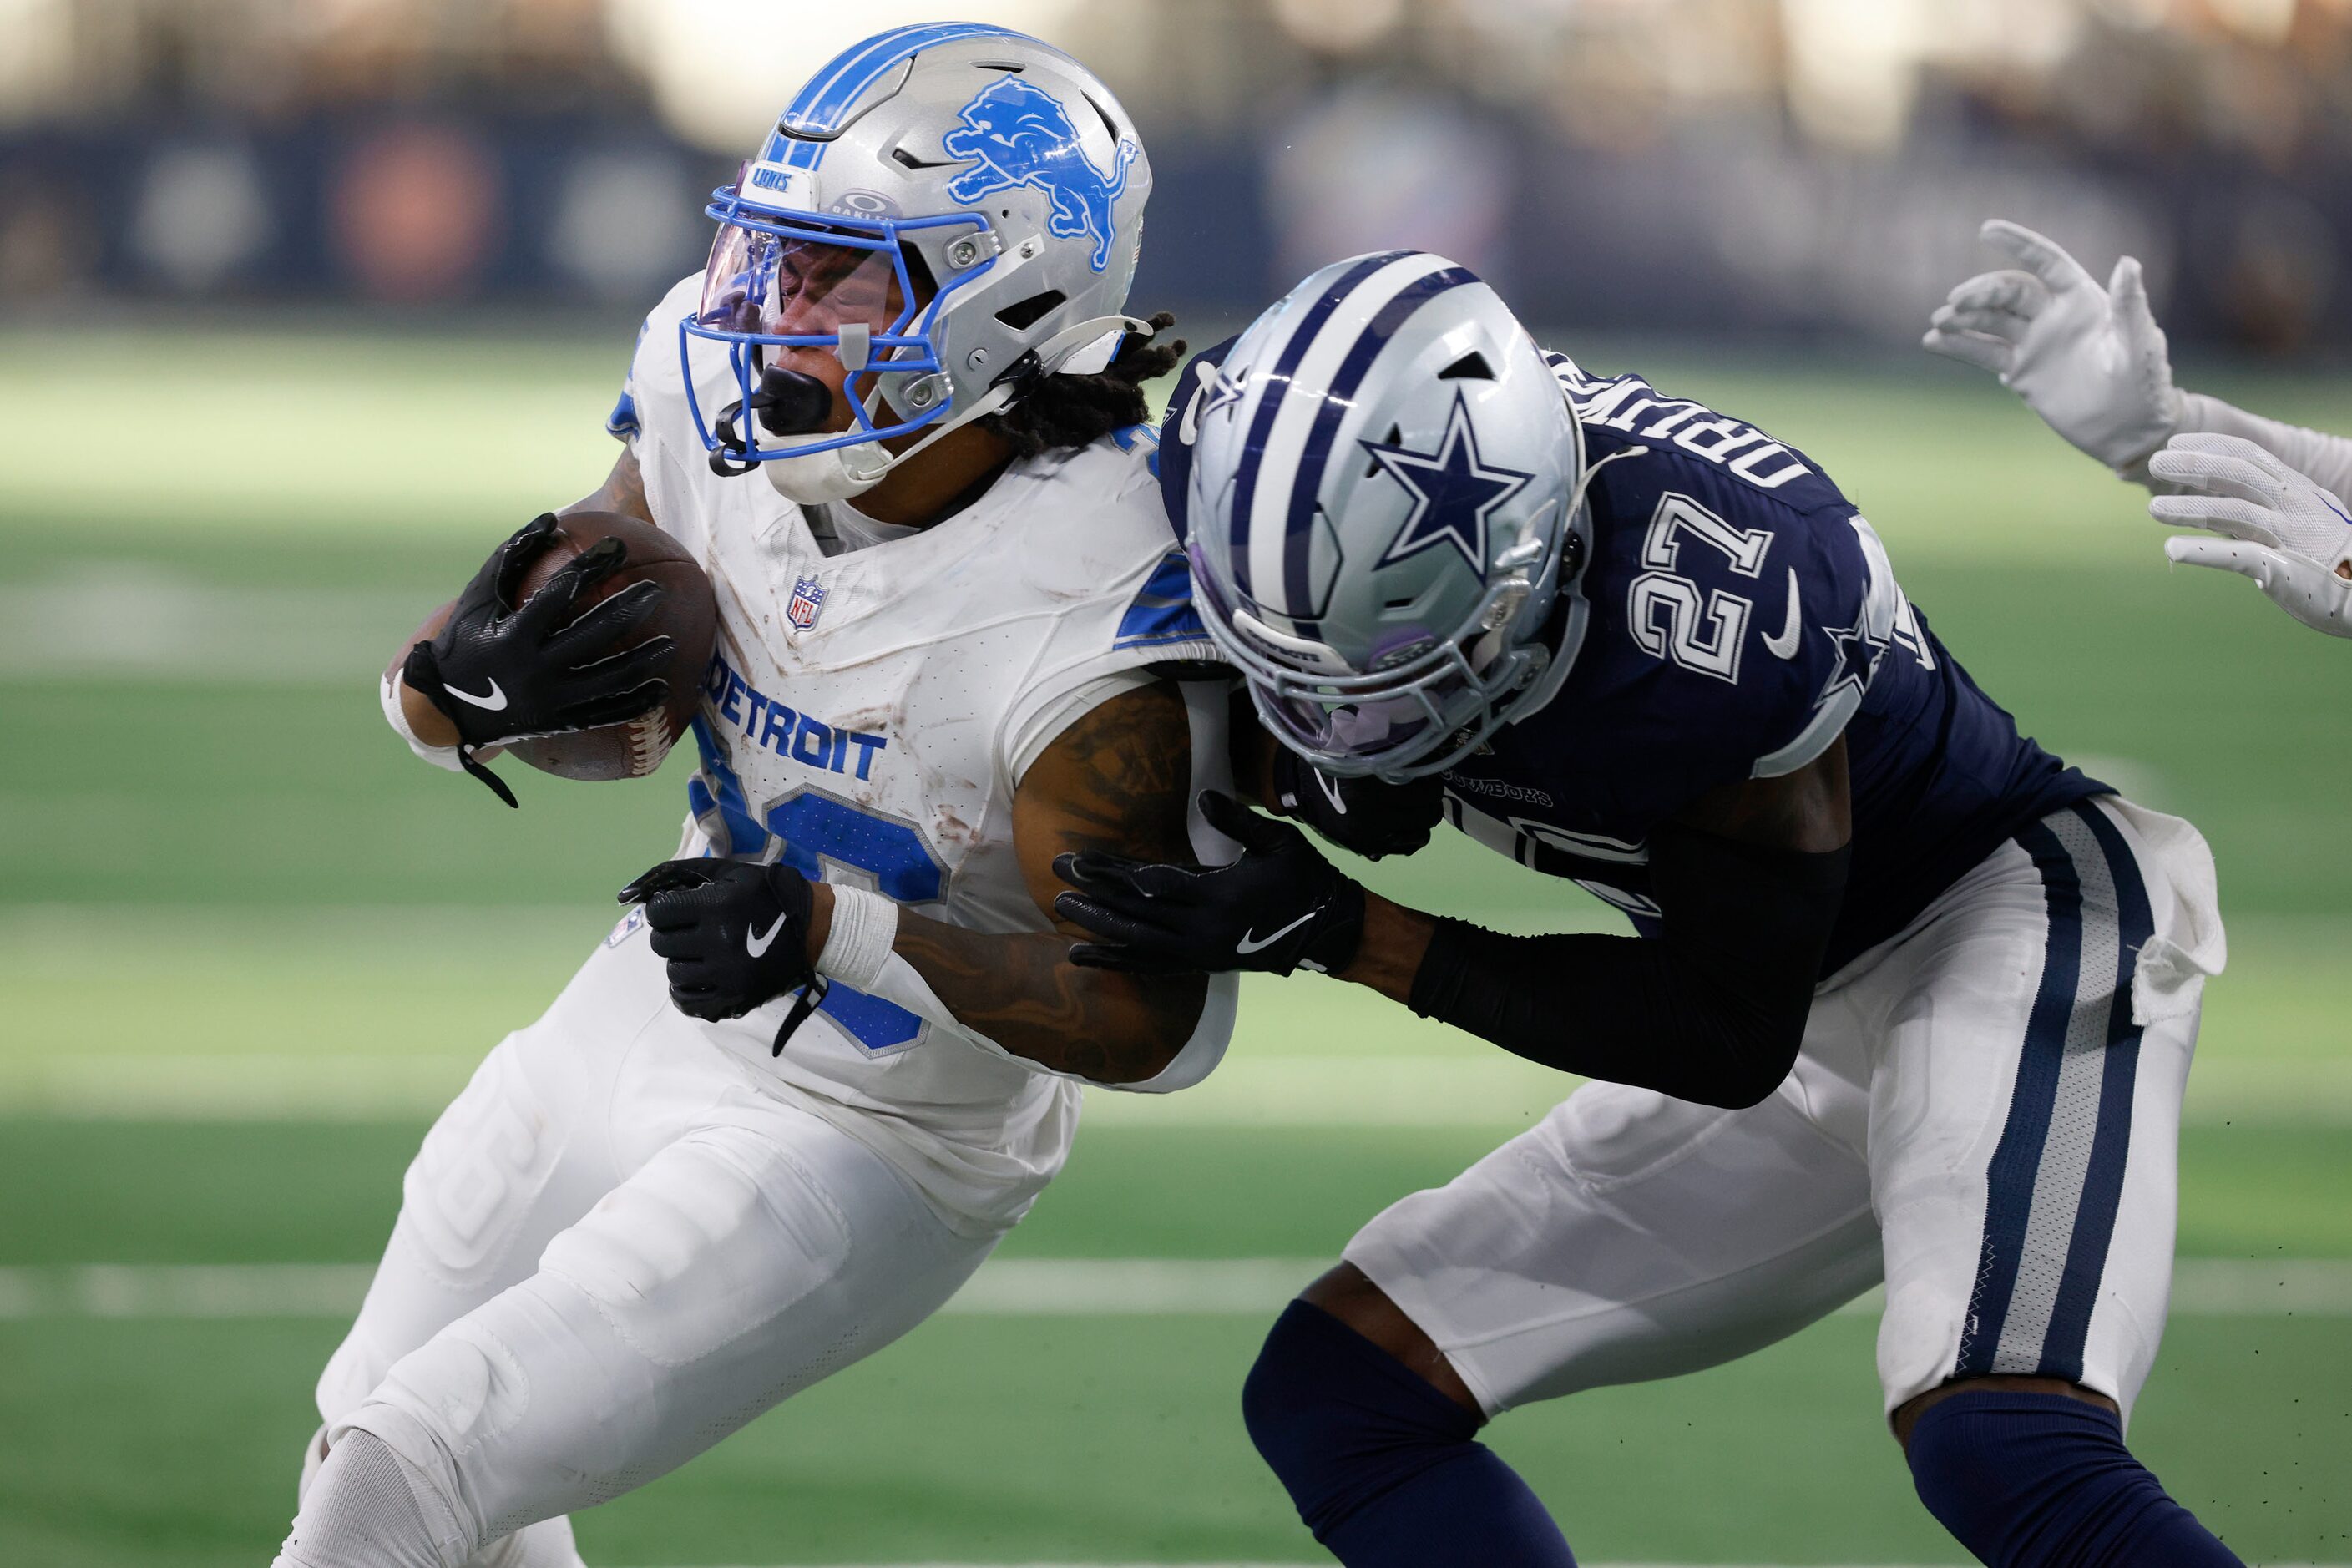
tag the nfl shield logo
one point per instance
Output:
(806, 601)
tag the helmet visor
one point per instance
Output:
(798, 286)
(1373, 727)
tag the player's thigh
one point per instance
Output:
(2025, 1114)
(744, 1262)
(1627, 1237)
(522, 1152)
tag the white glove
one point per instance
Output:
(2090, 361)
(2278, 527)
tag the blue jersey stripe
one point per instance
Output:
(2103, 1182)
(2017, 1158)
(1277, 382)
(1298, 532)
(1163, 610)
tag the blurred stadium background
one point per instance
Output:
(305, 302)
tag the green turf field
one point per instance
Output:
(246, 946)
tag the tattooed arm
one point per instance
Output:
(1119, 779)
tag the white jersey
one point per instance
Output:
(866, 718)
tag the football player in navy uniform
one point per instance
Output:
(1912, 1000)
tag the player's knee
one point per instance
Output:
(2043, 1480)
(1339, 1421)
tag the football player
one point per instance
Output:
(1912, 1000)
(2092, 363)
(791, 1103)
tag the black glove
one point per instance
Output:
(502, 673)
(1278, 907)
(1370, 816)
(736, 935)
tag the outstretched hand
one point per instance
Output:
(2275, 525)
(2091, 361)
(1280, 907)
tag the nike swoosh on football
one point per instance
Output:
(758, 946)
(1785, 644)
(1250, 941)
(494, 702)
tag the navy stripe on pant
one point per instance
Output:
(2056, 1177)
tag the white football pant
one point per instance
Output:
(615, 1248)
(1985, 1115)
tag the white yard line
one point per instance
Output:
(1007, 1286)
(1257, 1088)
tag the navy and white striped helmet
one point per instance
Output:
(1384, 492)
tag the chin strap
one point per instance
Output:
(1064, 351)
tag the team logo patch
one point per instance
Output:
(806, 601)
(1452, 492)
(1019, 134)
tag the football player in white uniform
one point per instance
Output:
(791, 1103)
(2091, 362)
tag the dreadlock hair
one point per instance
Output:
(1063, 411)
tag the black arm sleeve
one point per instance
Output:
(1713, 1009)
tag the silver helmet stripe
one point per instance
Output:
(1306, 485)
(1307, 353)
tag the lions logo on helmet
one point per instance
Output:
(845, 236)
(1021, 135)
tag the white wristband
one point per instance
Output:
(388, 692)
(865, 926)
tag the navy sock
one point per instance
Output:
(1381, 1466)
(2043, 1480)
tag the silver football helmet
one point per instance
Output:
(955, 210)
(1385, 506)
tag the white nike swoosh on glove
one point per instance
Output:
(757, 946)
(1330, 788)
(1250, 941)
(493, 702)
(1785, 644)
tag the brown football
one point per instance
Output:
(688, 616)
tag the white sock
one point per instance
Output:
(365, 1509)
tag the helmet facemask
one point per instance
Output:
(1422, 705)
(781, 284)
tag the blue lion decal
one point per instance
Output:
(1021, 135)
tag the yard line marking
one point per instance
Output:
(1009, 1287)
(1256, 1089)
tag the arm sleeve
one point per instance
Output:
(2325, 459)
(1712, 1010)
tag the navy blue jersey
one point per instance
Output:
(1742, 616)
